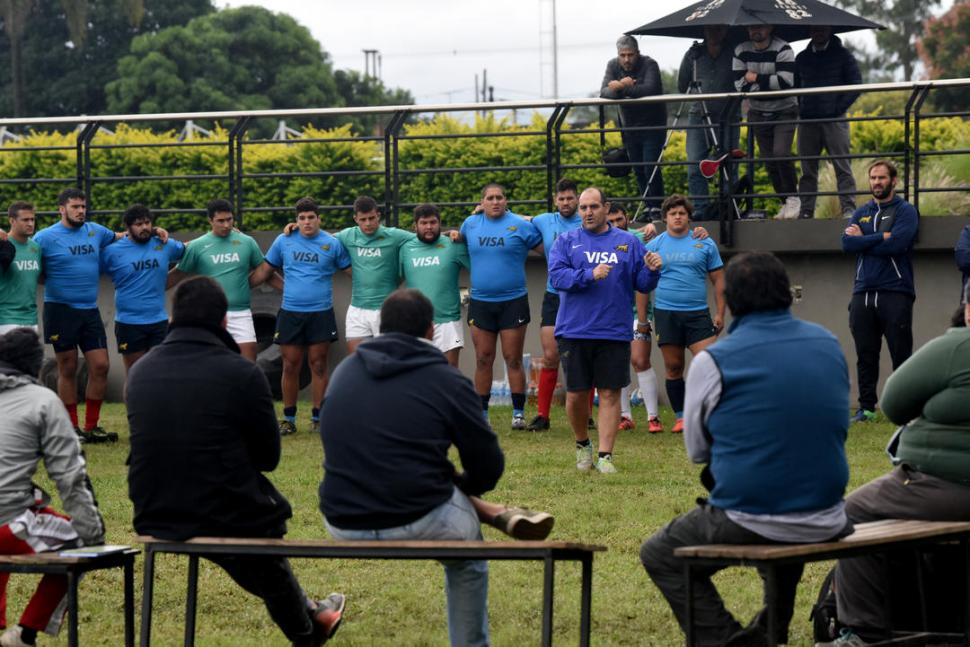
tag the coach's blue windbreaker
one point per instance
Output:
(591, 309)
(883, 263)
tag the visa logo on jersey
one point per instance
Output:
(148, 264)
(220, 259)
(306, 257)
(491, 241)
(368, 252)
(601, 257)
(81, 250)
(426, 261)
(24, 266)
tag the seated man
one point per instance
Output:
(34, 425)
(773, 478)
(390, 477)
(200, 439)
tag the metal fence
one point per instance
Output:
(393, 133)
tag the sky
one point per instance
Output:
(434, 48)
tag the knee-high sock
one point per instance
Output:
(547, 385)
(648, 389)
(675, 393)
(625, 402)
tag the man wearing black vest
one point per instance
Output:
(881, 234)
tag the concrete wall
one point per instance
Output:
(810, 250)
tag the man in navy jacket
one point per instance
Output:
(881, 235)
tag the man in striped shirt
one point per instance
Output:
(762, 64)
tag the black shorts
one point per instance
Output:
(550, 308)
(305, 328)
(682, 328)
(600, 362)
(136, 338)
(67, 328)
(494, 316)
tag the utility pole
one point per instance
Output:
(548, 49)
(372, 61)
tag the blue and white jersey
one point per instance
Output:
(308, 267)
(72, 262)
(551, 225)
(498, 248)
(139, 272)
(683, 276)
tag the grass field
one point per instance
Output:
(402, 603)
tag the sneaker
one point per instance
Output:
(287, 428)
(863, 415)
(604, 465)
(655, 426)
(327, 616)
(539, 423)
(518, 422)
(522, 523)
(584, 458)
(11, 638)
(846, 639)
(591, 424)
(96, 436)
(789, 210)
(678, 427)
(626, 424)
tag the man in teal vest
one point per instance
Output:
(772, 478)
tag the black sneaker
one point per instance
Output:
(96, 435)
(287, 428)
(539, 423)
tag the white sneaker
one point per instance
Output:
(11, 638)
(605, 465)
(584, 458)
(789, 210)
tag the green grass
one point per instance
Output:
(402, 603)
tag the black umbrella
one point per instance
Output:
(791, 18)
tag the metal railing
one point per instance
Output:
(393, 134)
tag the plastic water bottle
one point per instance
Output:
(636, 398)
(505, 395)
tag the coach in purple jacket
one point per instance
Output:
(596, 269)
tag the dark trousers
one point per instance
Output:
(776, 141)
(645, 146)
(872, 316)
(862, 588)
(271, 579)
(705, 524)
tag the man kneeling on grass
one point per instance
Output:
(387, 473)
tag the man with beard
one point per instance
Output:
(431, 263)
(19, 270)
(881, 235)
(138, 266)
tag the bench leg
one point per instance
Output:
(965, 545)
(148, 582)
(771, 595)
(586, 601)
(689, 611)
(72, 609)
(129, 571)
(190, 600)
(549, 581)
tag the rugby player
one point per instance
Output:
(306, 324)
(228, 256)
(680, 309)
(20, 267)
(498, 243)
(138, 266)
(431, 263)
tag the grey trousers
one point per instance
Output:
(860, 583)
(775, 141)
(834, 139)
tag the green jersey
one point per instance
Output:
(433, 269)
(375, 262)
(18, 285)
(228, 260)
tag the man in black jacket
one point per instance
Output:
(825, 62)
(387, 473)
(203, 430)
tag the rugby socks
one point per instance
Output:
(72, 412)
(518, 404)
(28, 635)
(580, 444)
(625, 403)
(605, 454)
(547, 385)
(675, 393)
(485, 398)
(315, 415)
(648, 389)
(92, 411)
(289, 414)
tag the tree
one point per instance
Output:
(904, 25)
(944, 52)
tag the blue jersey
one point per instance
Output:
(598, 309)
(683, 276)
(308, 265)
(72, 264)
(139, 272)
(550, 226)
(498, 248)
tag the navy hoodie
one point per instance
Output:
(883, 263)
(392, 411)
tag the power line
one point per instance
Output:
(474, 52)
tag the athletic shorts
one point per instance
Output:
(137, 338)
(642, 336)
(239, 324)
(362, 322)
(550, 308)
(5, 328)
(600, 362)
(305, 328)
(683, 328)
(449, 335)
(494, 316)
(67, 328)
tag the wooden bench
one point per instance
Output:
(548, 552)
(73, 568)
(868, 538)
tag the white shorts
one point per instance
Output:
(239, 324)
(362, 323)
(449, 336)
(5, 328)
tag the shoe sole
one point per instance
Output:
(534, 528)
(340, 618)
(110, 437)
(583, 467)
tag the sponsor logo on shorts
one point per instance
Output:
(123, 346)
(55, 337)
(522, 320)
